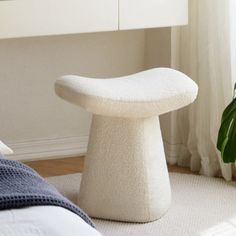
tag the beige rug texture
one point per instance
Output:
(200, 206)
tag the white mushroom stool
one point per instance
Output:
(125, 176)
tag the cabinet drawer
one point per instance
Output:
(21, 18)
(152, 13)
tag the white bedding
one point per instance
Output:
(4, 149)
(43, 221)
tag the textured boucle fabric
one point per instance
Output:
(145, 94)
(125, 176)
(20, 186)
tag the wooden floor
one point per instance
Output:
(72, 165)
(57, 167)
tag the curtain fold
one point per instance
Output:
(202, 51)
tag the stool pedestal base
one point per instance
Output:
(125, 176)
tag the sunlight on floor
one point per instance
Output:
(227, 228)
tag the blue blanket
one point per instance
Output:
(20, 186)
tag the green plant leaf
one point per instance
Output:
(228, 151)
(225, 124)
(226, 142)
(231, 106)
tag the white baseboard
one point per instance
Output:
(49, 148)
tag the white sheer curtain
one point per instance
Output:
(233, 38)
(202, 50)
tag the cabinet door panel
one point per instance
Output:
(21, 18)
(152, 13)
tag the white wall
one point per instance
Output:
(33, 121)
(158, 48)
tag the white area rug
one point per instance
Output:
(200, 206)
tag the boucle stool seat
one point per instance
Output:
(125, 176)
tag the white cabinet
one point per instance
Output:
(136, 14)
(24, 18)
(20, 18)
